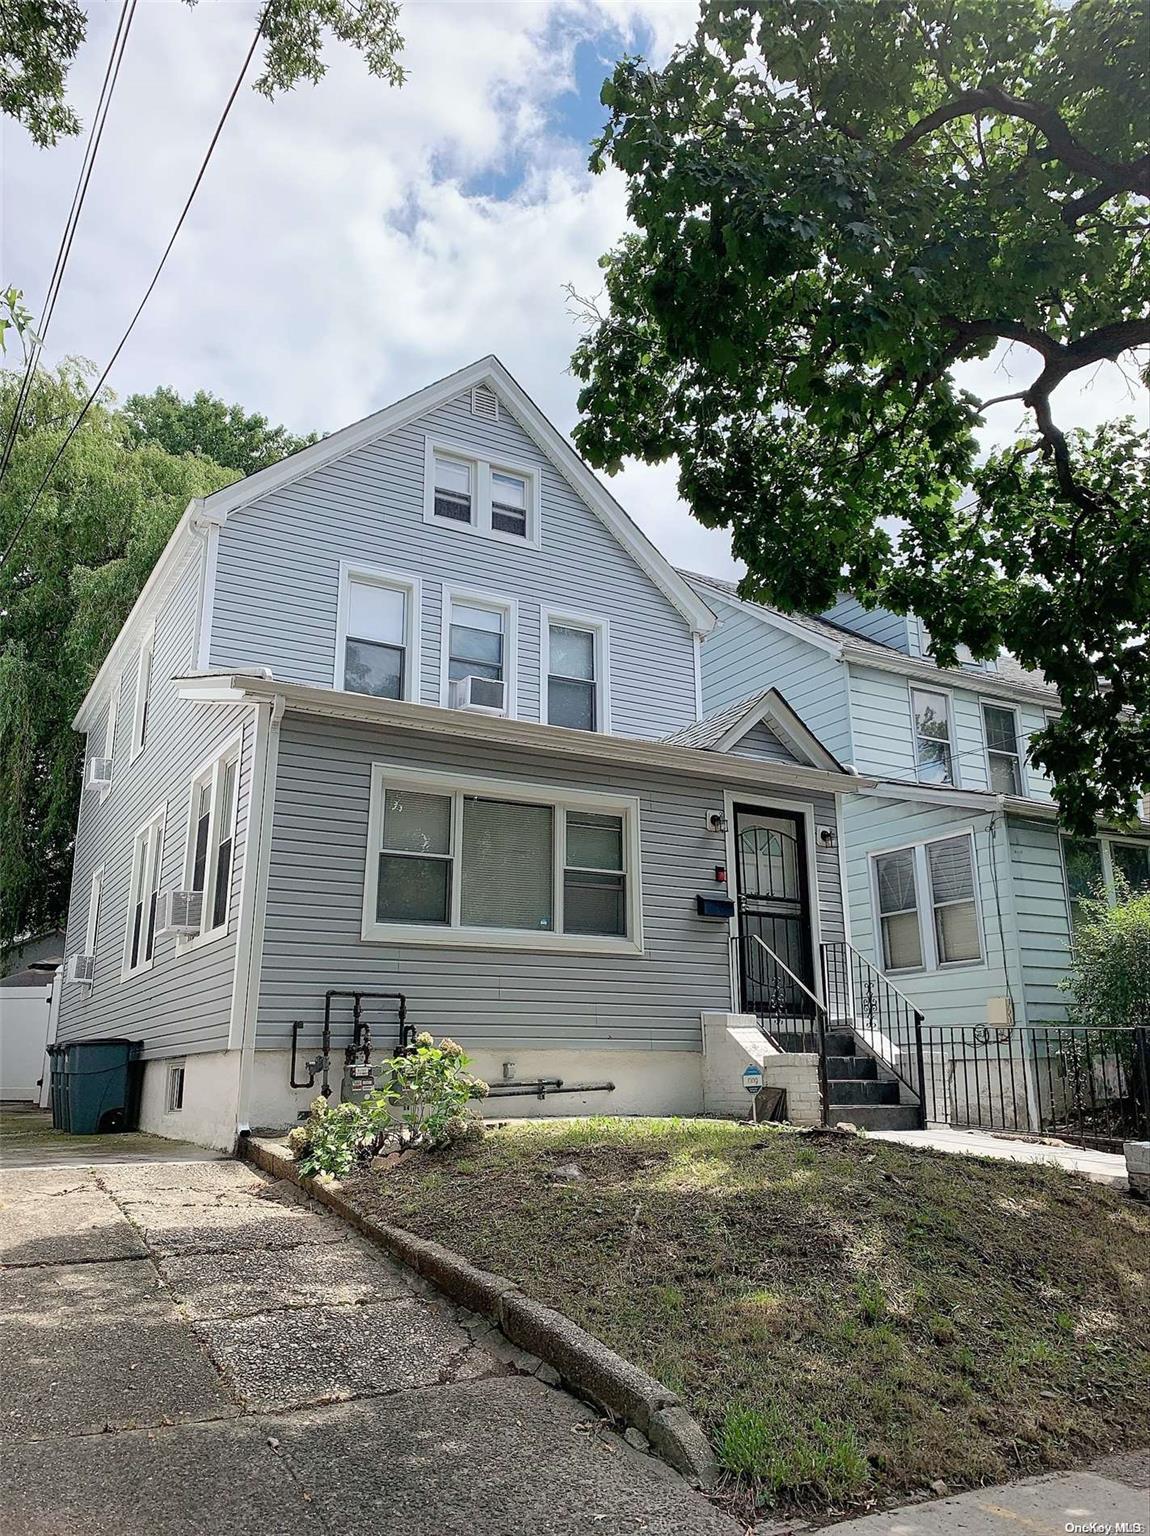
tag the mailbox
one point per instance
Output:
(715, 908)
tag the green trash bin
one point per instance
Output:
(95, 1086)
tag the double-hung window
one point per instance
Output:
(932, 738)
(377, 634)
(473, 493)
(927, 908)
(478, 670)
(575, 666)
(210, 855)
(1002, 751)
(1131, 861)
(500, 864)
(143, 694)
(143, 892)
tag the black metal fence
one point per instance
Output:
(886, 1023)
(1084, 1085)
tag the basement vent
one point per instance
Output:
(485, 402)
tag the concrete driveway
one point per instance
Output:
(191, 1350)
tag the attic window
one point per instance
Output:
(485, 402)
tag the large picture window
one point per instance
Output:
(500, 864)
(926, 902)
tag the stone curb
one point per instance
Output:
(584, 1364)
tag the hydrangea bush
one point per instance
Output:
(421, 1101)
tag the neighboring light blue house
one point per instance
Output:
(960, 888)
(398, 715)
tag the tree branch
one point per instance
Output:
(1113, 176)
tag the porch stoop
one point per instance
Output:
(861, 1091)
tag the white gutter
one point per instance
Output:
(235, 688)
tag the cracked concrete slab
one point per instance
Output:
(271, 1279)
(91, 1346)
(317, 1354)
(205, 1226)
(154, 1181)
(190, 1480)
(66, 1229)
(45, 1183)
(505, 1456)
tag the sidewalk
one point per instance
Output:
(191, 1350)
(1102, 1167)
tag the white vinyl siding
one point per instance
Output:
(500, 864)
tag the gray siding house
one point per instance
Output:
(411, 712)
(960, 887)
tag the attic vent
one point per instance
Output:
(485, 402)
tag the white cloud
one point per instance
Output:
(343, 250)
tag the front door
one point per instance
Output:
(774, 906)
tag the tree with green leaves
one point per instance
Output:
(836, 203)
(39, 41)
(63, 598)
(205, 425)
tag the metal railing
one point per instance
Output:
(1076, 1083)
(789, 1013)
(863, 1000)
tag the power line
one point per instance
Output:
(99, 384)
(111, 75)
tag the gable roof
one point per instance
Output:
(215, 509)
(1010, 677)
(547, 438)
(721, 732)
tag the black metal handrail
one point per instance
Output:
(860, 998)
(791, 1016)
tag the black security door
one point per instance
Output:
(774, 906)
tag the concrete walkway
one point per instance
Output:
(191, 1350)
(1087, 1502)
(1102, 1167)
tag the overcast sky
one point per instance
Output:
(353, 242)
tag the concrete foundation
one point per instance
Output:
(734, 1041)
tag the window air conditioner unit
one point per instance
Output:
(482, 694)
(82, 969)
(179, 911)
(100, 773)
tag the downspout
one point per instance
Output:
(267, 768)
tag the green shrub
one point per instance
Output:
(1109, 981)
(429, 1088)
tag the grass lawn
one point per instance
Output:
(847, 1318)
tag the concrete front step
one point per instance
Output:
(840, 1067)
(875, 1117)
(863, 1091)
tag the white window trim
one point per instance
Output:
(91, 926)
(914, 687)
(180, 1066)
(397, 581)
(110, 722)
(601, 630)
(1009, 709)
(482, 466)
(211, 770)
(158, 821)
(924, 905)
(144, 668)
(510, 609)
(386, 776)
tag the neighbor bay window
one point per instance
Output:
(496, 863)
